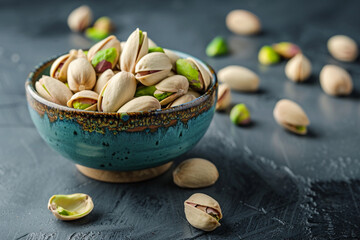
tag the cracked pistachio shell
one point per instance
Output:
(239, 78)
(152, 68)
(291, 116)
(60, 66)
(298, 69)
(117, 91)
(80, 18)
(181, 100)
(144, 103)
(177, 84)
(195, 173)
(224, 97)
(135, 48)
(343, 48)
(199, 78)
(85, 100)
(199, 218)
(173, 58)
(336, 81)
(53, 90)
(70, 207)
(243, 22)
(81, 75)
(103, 79)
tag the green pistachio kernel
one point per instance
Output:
(217, 47)
(156, 49)
(64, 212)
(240, 114)
(66, 84)
(301, 128)
(267, 56)
(141, 37)
(86, 52)
(96, 34)
(79, 105)
(145, 91)
(162, 96)
(108, 55)
(188, 69)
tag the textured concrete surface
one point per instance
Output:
(272, 185)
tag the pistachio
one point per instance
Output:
(217, 47)
(156, 49)
(84, 100)
(243, 22)
(103, 79)
(104, 24)
(286, 49)
(182, 100)
(298, 69)
(239, 78)
(171, 88)
(81, 75)
(268, 56)
(335, 81)
(195, 173)
(291, 116)
(135, 48)
(117, 91)
(194, 93)
(240, 114)
(70, 207)
(199, 78)
(343, 48)
(144, 103)
(224, 97)
(173, 58)
(60, 66)
(145, 91)
(152, 68)
(53, 90)
(80, 18)
(203, 212)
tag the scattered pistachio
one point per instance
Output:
(80, 18)
(336, 81)
(243, 22)
(240, 115)
(224, 97)
(286, 49)
(343, 48)
(239, 78)
(96, 34)
(298, 69)
(268, 56)
(217, 47)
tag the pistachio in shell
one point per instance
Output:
(144, 103)
(298, 69)
(243, 22)
(173, 58)
(343, 48)
(336, 81)
(81, 75)
(152, 68)
(224, 97)
(171, 88)
(182, 100)
(103, 79)
(70, 207)
(203, 212)
(60, 66)
(80, 18)
(239, 78)
(84, 100)
(53, 90)
(291, 116)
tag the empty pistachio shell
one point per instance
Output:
(268, 56)
(343, 48)
(286, 49)
(171, 88)
(298, 69)
(291, 116)
(81, 75)
(199, 78)
(181, 100)
(103, 79)
(243, 22)
(152, 68)
(224, 97)
(203, 212)
(53, 90)
(84, 100)
(217, 47)
(240, 114)
(335, 81)
(144, 103)
(239, 78)
(173, 57)
(70, 207)
(195, 173)
(80, 18)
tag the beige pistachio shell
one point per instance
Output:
(81, 75)
(133, 51)
(181, 100)
(151, 43)
(205, 74)
(243, 22)
(173, 57)
(109, 42)
(152, 68)
(343, 48)
(224, 97)
(195, 173)
(239, 78)
(117, 91)
(290, 115)
(298, 69)
(63, 63)
(80, 18)
(86, 94)
(143, 103)
(335, 81)
(103, 79)
(176, 84)
(53, 90)
(122, 44)
(198, 218)
(171, 73)
(194, 93)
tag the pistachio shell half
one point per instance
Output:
(80, 18)
(199, 78)
(53, 90)
(239, 78)
(343, 48)
(103, 79)
(335, 81)
(195, 173)
(181, 100)
(171, 88)
(298, 69)
(224, 97)
(144, 103)
(243, 22)
(81, 75)
(84, 100)
(70, 207)
(291, 116)
(203, 212)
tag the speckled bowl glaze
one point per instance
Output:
(121, 142)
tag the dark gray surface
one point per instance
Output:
(272, 185)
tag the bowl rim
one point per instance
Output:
(197, 101)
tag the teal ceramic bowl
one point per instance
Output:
(121, 142)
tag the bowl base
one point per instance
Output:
(122, 176)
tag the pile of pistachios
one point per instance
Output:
(111, 78)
